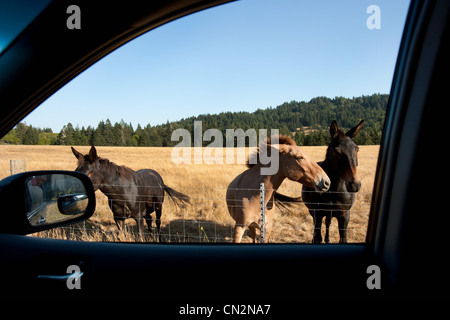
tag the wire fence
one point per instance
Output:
(207, 220)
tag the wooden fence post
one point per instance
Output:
(18, 166)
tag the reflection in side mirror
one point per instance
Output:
(51, 198)
(73, 203)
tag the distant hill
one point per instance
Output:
(307, 122)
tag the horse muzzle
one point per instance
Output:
(353, 185)
(323, 185)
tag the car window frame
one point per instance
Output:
(382, 223)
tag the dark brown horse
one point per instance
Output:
(340, 165)
(131, 194)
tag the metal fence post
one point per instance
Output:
(263, 213)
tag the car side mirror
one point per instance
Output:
(40, 200)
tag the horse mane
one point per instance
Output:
(253, 159)
(114, 169)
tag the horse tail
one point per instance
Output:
(281, 200)
(177, 197)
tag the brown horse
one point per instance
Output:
(340, 165)
(131, 194)
(243, 195)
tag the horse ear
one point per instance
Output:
(354, 131)
(334, 129)
(93, 154)
(76, 153)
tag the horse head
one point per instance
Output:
(296, 165)
(89, 165)
(342, 156)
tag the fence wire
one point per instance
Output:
(207, 220)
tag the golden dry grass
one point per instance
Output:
(207, 219)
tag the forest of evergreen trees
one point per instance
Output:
(307, 122)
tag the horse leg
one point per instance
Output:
(158, 221)
(343, 219)
(327, 225)
(148, 218)
(317, 217)
(118, 216)
(239, 230)
(252, 230)
(140, 225)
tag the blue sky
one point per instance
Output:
(240, 56)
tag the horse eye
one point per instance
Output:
(300, 158)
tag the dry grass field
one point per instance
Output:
(207, 219)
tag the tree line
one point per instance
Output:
(306, 122)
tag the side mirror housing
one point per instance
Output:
(40, 200)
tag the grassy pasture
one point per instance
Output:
(207, 219)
